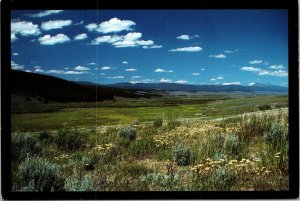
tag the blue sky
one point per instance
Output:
(179, 46)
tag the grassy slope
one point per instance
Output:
(81, 117)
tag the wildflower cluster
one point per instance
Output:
(236, 167)
(62, 157)
(105, 148)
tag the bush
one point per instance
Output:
(70, 139)
(276, 135)
(158, 122)
(182, 154)
(127, 132)
(37, 174)
(264, 107)
(232, 143)
(23, 145)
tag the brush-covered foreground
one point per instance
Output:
(239, 153)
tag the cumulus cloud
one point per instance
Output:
(231, 83)
(255, 61)
(165, 80)
(259, 71)
(277, 67)
(115, 25)
(181, 82)
(106, 68)
(218, 56)
(46, 13)
(212, 79)
(81, 68)
(116, 77)
(130, 69)
(69, 72)
(152, 47)
(80, 36)
(38, 70)
(52, 40)
(187, 49)
(251, 83)
(16, 66)
(91, 63)
(160, 70)
(131, 39)
(184, 37)
(202, 69)
(124, 62)
(55, 24)
(15, 54)
(23, 28)
(91, 26)
(220, 78)
(37, 67)
(196, 74)
(79, 23)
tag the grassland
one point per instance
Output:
(192, 144)
(125, 111)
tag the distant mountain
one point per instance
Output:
(198, 88)
(52, 89)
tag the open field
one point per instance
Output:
(125, 111)
(224, 144)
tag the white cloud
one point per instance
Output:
(13, 37)
(202, 69)
(218, 56)
(81, 68)
(38, 70)
(46, 13)
(184, 37)
(132, 36)
(259, 71)
(23, 28)
(231, 83)
(91, 26)
(212, 79)
(80, 36)
(152, 47)
(251, 83)
(144, 42)
(28, 71)
(251, 69)
(67, 68)
(115, 25)
(37, 67)
(91, 63)
(277, 67)
(79, 23)
(106, 68)
(136, 77)
(130, 69)
(124, 62)
(181, 82)
(70, 72)
(16, 66)
(255, 62)
(160, 70)
(116, 77)
(55, 24)
(187, 49)
(102, 74)
(196, 74)
(52, 40)
(220, 78)
(106, 39)
(165, 80)
(228, 51)
(125, 43)
(15, 54)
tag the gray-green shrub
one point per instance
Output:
(23, 145)
(158, 122)
(38, 174)
(182, 154)
(127, 132)
(276, 135)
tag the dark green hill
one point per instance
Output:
(52, 89)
